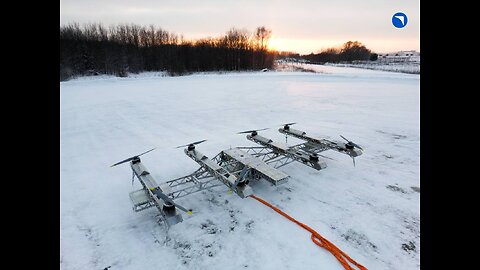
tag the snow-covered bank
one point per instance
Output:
(370, 211)
(406, 67)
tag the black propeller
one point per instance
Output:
(350, 143)
(131, 158)
(190, 144)
(253, 131)
(287, 126)
(167, 199)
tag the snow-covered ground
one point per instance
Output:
(404, 67)
(370, 211)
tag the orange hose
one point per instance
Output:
(318, 239)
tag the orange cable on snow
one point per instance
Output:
(318, 239)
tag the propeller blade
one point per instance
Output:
(167, 199)
(353, 161)
(181, 146)
(199, 142)
(194, 143)
(325, 157)
(188, 211)
(147, 151)
(250, 131)
(288, 124)
(123, 161)
(358, 146)
(130, 158)
(352, 143)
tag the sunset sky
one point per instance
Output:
(303, 26)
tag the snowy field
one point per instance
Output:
(371, 211)
(405, 67)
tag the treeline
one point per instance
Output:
(350, 51)
(94, 49)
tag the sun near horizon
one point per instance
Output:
(307, 46)
(304, 26)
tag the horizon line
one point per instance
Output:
(193, 39)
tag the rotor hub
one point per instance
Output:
(243, 183)
(168, 207)
(135, 160)
(313, 157)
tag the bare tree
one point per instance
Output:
(262, 36)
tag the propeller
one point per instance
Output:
(287, 127)
(167, 199)
(351, 143)
(191, 144)
(251, 131)
(131, 158)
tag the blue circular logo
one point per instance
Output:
(399, 20)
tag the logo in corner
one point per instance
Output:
(399, 20)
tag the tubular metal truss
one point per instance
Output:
(317, 145)
(197, 181)
(283, 155)
(268, 156)
(312, 148)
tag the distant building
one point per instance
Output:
(401, 56)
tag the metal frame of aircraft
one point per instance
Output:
(235, 168)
